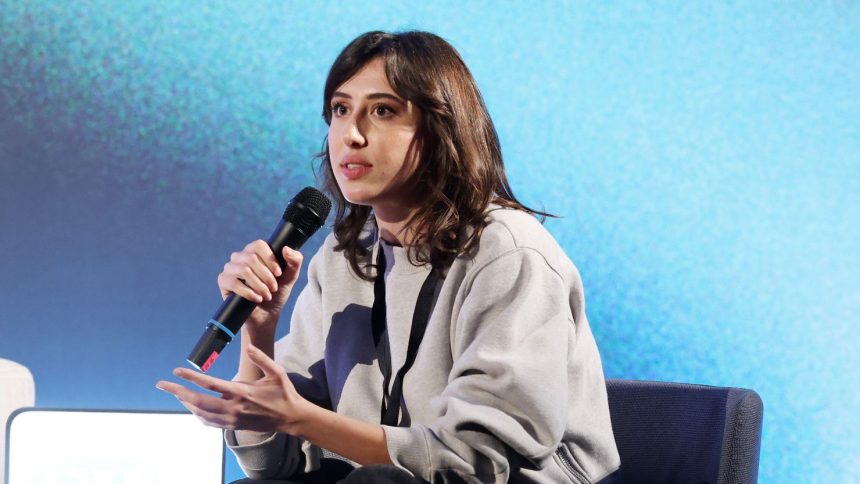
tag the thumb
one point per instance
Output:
(293, 259)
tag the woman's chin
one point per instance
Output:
(358, 197)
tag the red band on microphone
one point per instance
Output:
(209, 361)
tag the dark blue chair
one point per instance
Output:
(683, 433)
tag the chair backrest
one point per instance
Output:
(684, 433)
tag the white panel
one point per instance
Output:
(113, 448)
(16, 390)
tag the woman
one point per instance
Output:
(442, 334)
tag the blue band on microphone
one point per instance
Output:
(222, 328)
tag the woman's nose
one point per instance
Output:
(353, 136)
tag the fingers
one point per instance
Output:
(267, 365)
(251, 273)
(212, 419)
(250, 270)
(209, 414)
(261, 406)
(267, 257)
(199, 400)
(255, 274)
(229, 283)
(207, 382)
(293, 258)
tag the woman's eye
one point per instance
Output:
(383, 111)
(338, 110)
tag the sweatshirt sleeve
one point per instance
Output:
(505, 404)
(277, 456)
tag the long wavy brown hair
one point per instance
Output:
(460, 169)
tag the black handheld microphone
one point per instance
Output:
(305, 214)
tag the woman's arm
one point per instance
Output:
(254, 274)
(505, 403)
(272, 403)
(262, 453)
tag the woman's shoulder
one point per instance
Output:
(510, 231)
(509, 228)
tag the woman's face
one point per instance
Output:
(369, 139)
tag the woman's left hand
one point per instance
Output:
(270, 404)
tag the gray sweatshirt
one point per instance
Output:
(506, 385)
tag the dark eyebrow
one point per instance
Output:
(376, 95)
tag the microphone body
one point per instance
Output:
(304, 215)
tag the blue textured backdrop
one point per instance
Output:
(705, 159)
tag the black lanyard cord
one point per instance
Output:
(390, 411)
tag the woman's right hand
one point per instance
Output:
(255, 275)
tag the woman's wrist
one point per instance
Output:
(300, 421)
(358, 441)
(261, 336)
(263, 339)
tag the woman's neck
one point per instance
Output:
(393, 224)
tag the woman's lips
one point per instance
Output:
(354, 168)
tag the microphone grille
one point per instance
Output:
(308, 210)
